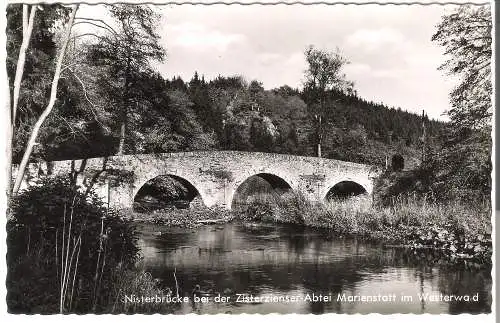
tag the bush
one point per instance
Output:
(396, 185)
(58, 235)
(288, 207)
(351, 216)
(138, 282)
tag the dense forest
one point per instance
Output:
(228, 113)
(170, 115)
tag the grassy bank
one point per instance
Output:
(189, 218)
(460, 232)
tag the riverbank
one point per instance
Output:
(186, 218)
(454, 232)
(458, 232)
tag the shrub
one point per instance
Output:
(393, 185)
(288, 207)
(138, 282)
(65, 243)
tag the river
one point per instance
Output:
(270, 268)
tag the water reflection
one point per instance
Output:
(285, 261)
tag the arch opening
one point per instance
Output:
(166, 192)
(344, 190)
(259, 187)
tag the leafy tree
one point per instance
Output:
(125, 53)
(466, 37)
(169, 124)
(256, 92)
(263, 134)
(288, 113)
(286, 90)
(324, 73)
(225, 95)
(30, 50)
(462, 166)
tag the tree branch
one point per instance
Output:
(93, 24)
(86, 97)
(67, 67)
(92, 34)
(50, 106)
(98, 20)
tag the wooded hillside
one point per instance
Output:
(110, 101)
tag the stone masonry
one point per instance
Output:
(215, 174)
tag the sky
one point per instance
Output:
(392, 58)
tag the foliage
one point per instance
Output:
(463, 164)
(138, 282)
(394, 184)
(186, 218)
(171, 126)
(164, 187)
(462, 168)
(283, 207)
(125, 55)
(168, 115)
(466, 37)
(35, 229)
(219, 173)
(458, 168)
(324, 73)
(38, 68)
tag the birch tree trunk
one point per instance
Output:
(13, 102)
(27, 31)
(8, 141)
(123, 126)
(50, 105)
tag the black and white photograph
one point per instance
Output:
(249, 158)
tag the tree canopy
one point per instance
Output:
(462, 166)
(466, 38)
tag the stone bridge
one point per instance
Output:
(216, 175)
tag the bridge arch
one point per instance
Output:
(274, 183)
(193, 189)
(344, 189)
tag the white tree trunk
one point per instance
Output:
(27, 31)
(121, 145)
(50, 105)
(8, 141)
(12, 103)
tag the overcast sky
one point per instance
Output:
(393, 60)
(392, 57)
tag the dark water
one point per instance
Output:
(287, 266)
